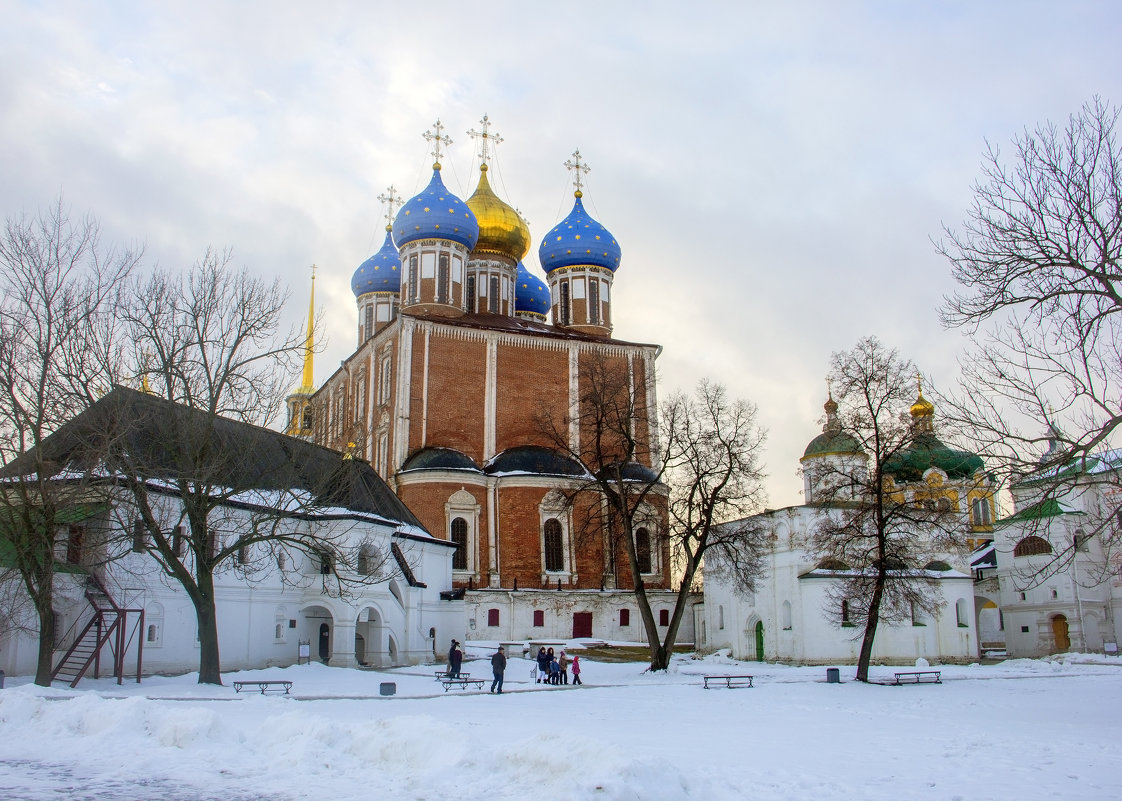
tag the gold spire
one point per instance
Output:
(307, 387)
(922, 410)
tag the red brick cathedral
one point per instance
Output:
(461, 351)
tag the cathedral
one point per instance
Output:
(462, 351)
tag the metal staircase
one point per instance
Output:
(106, 629)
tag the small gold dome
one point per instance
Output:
(922, 407)
(501, 229)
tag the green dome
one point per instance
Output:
(829, 442)
(927, 451)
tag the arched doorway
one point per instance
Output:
(1060, 633)
(324, 642)
(759, 641)
(360, 649)
(369, 628)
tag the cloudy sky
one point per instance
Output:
(774, 172)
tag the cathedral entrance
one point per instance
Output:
(1060, 633)
(759, 641)
(582, 624)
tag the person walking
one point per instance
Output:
(543, 665)
(498, 666)
(455, 659)
(576, 669)
(563, 664)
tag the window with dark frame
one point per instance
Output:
(643, 550)
(413, 287)
(593, 301)
(469, 294)
(493, 297)
(624, 617)
(459, 536)
(539, 618)
(442, 279)
(492, 617)
(554, 554)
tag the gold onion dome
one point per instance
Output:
(501, 229)
(922, 407)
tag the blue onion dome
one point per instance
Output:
(531, 293)
(381, 272)
(501, 229)
(578, 240)
(436, 214)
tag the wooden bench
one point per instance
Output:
(264, 686)
(919, 677)
(444, 674)
(462, 683)
(730, 681)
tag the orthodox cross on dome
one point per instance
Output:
(392, 200)
(437, 138)
(579, 170)
(486, 137)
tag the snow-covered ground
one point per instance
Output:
(1023, 729)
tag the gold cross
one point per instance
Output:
(579, 169)
(485, 124)
(437, 138)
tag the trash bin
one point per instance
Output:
(833, 676)
(387, 688)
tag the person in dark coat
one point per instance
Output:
(543, 665)
(455, 659)
(498, 666)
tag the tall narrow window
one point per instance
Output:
(138, 538)
(845, 614)
(469, 291)
(413, 278)
(539, 618)
(593, 301)
(565, 306)
(981, 511)
(664, 617)
(492, 617)
(643, 550)
(442, 292)
(460, 538)
(75, 544)
(493, 298)
(554, 555)
(625, 617)
(178, 542)
(369, 321)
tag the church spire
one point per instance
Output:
(307, 387)
(300, 401)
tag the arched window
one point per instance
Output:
(786, 612)
(554, 554)
(980, 511)
(664, 617)
(845, 614)
(459, 537)
(643, 550)
(593, 301)
(1032, 546)
(366, 559)
(413, 283)
(720, 617)
(564, 302)
(960, 613)
(625, 617)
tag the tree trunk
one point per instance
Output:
(871, 620)
(210, 670)
(45, 663)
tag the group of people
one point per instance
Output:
(547, 669)
(551, 669)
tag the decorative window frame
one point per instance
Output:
(554, 507)
(647, 518)
(463, 504)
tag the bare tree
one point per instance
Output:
(1039, 263)
(638, 500)
(716, 487)
(59, 294)
(210, 343)
(880, 527)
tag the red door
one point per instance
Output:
(582, 624)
